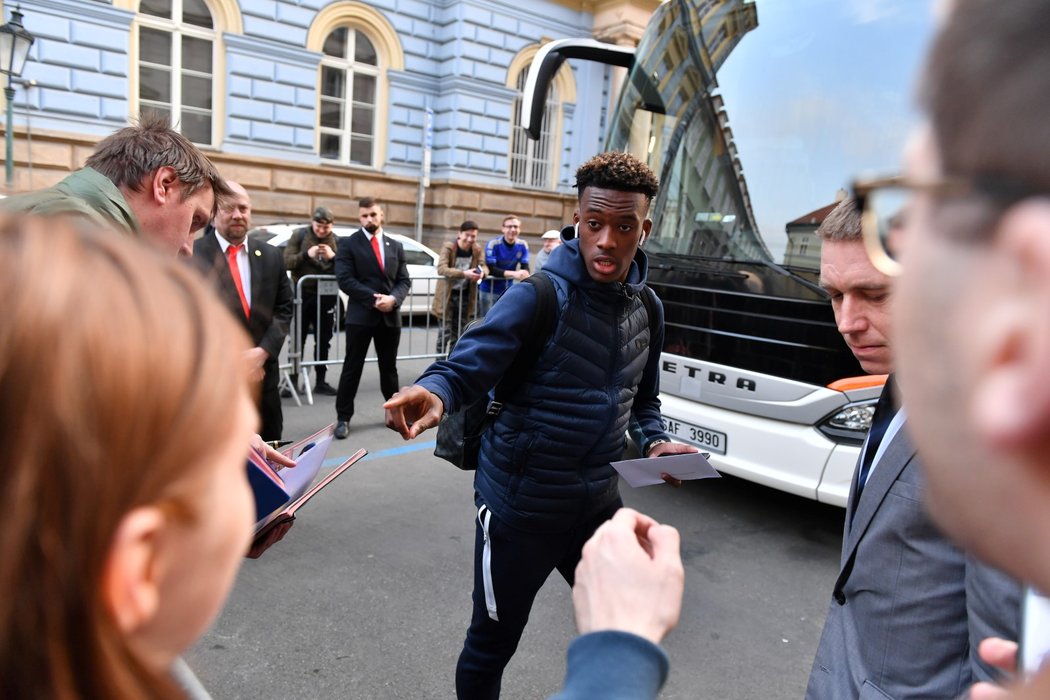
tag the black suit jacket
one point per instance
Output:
(271, 309)
(360, 278)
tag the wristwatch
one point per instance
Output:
(654, 443)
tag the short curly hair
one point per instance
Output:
(614, 170)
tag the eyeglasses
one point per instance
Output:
(883, 204)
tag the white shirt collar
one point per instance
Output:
(225, 244)
(896, 423)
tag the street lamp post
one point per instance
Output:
(14, 49)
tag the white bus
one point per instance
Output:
(754, 115)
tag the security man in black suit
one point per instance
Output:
(252, 282)
(372, 272)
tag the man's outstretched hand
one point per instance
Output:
(412, 410)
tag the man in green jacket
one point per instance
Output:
(311, 251)
(147, 180)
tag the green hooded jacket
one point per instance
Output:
(86, 193)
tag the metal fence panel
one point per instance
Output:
(420, 330)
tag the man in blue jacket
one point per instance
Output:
(544, 482)
(507, 259)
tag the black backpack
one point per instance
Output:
(459, 434)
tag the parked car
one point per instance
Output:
(422, 261)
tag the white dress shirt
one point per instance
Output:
(242, 265)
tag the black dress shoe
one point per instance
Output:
(325, 389)
(286, 393)
(342, 429)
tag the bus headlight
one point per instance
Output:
(850, 423)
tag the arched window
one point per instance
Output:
(176, 65)
(535, 163)
(532, 163)
(347, 97)
(359, 47)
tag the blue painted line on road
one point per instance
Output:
(392, 452)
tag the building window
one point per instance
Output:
(347, 109)
(176, 49)
(359, 49)
(532, 162)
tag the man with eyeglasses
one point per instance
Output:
(507, 259)
(907, 606)
(972, 307)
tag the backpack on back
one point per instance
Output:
(459, 434)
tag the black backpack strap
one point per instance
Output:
(649, 299)
(540, 331)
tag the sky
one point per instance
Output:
(820, 92)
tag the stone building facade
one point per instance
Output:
(320, 102)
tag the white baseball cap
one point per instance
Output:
(552, 234)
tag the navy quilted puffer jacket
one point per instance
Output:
(544, 463)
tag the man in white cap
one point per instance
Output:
(551, 240)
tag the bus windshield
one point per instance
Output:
(755, 114)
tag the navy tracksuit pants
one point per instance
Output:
(510, 567)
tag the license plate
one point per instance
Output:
(698, 435)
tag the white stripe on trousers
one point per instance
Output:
(484, 517)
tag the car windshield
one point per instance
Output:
(261, 235)
(416, 256)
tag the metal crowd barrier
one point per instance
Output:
(419, 333)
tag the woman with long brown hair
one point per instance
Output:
(124, 413)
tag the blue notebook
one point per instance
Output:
(267, 486)
(284, 489)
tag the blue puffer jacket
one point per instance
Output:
(544, 463)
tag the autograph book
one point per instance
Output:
(281, 492)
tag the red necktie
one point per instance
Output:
(375, 249)
(235, 270)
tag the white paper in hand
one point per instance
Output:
(299, 478)
(647, 470)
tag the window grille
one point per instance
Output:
(532, 162)
(347, 99)
(176, 65)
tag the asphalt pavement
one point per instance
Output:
(368, 596)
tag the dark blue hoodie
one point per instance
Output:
(544, 463)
